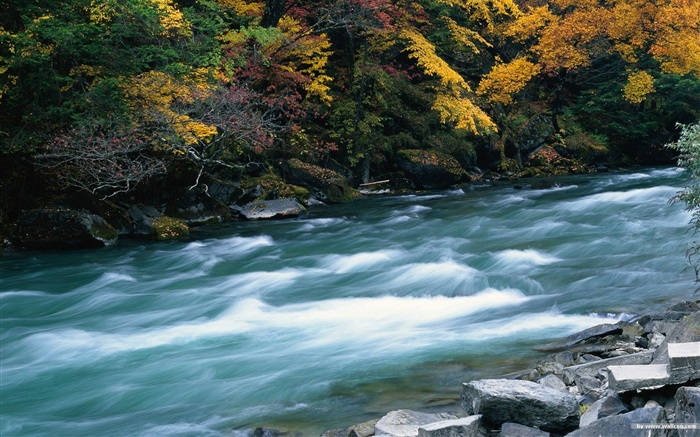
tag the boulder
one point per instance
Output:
(431, 169)
(610, 405)
(524, 402)
(592, 368)
(637, 377)
(196, 207)
(518, 430)
(142, 218)
(688, 410)
(272, 209)
(626, 425)
(470, 426)
(552, 381)
(583, 336)
(62, 229)
(325, 184)
(405, 423)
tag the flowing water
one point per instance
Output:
(331, 319)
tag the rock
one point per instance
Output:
(336, 432)
(267, 432)
(142, 220)
(405, 423)
(552, 381)
(684, 361)
(470, 426)
(610, 405)
(196, 207)
(625, 425)
(592, 368)
(637, 377)
(524, 402)
(583, 336)
(364, 429)
(431, 169)
(518, 430)
(586, 383)
(62, 229)
(325, 184)
(688, 409)
(269, 209)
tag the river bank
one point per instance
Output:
(624, 379)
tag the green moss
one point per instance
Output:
(274, 187)
(104, 232)
(168, 228)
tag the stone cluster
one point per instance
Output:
(639, 378)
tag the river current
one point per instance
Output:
(334, 318)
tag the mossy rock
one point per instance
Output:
(431, 169)
(274, 187)
(325, 184)
(168, 228)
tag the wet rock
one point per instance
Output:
(524, 402)
(624, 424)
(142, 220)
(62, 229)
(405, 423)
(272, 209)
(470, 426)
(196, 207)
(364, 429)
(518, 430)
(583, 336)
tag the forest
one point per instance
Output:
(116, 99)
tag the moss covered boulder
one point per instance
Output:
(431, 169)
(325, 184)
(62, 228)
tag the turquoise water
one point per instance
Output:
(334, 318)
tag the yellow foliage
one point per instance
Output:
(153, 95)
(506, 80)
(485, 11)
(243, 8)
(451, 102)
(465, 36)
(531, 24)
(171, 19)
(101, 11)
(639, 85)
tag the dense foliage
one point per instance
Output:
(105, 94)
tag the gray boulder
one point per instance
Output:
(272, 209)
(583, 336)
(62, 229)
(405, 423)
(524, 402)
(552, 381)
(608, 406)
(626, 425)
(518, 430)
(325, 184)
(465, 427)
(688, 409)
(592, 368)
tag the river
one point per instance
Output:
(334, 318)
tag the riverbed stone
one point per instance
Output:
(623, 425)
(583, 336)
(405, 423)
(364, 429)
(684, 361)
(688, 410)
(524, 402)
(610, 405)
(470, 426)
(517, 430)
